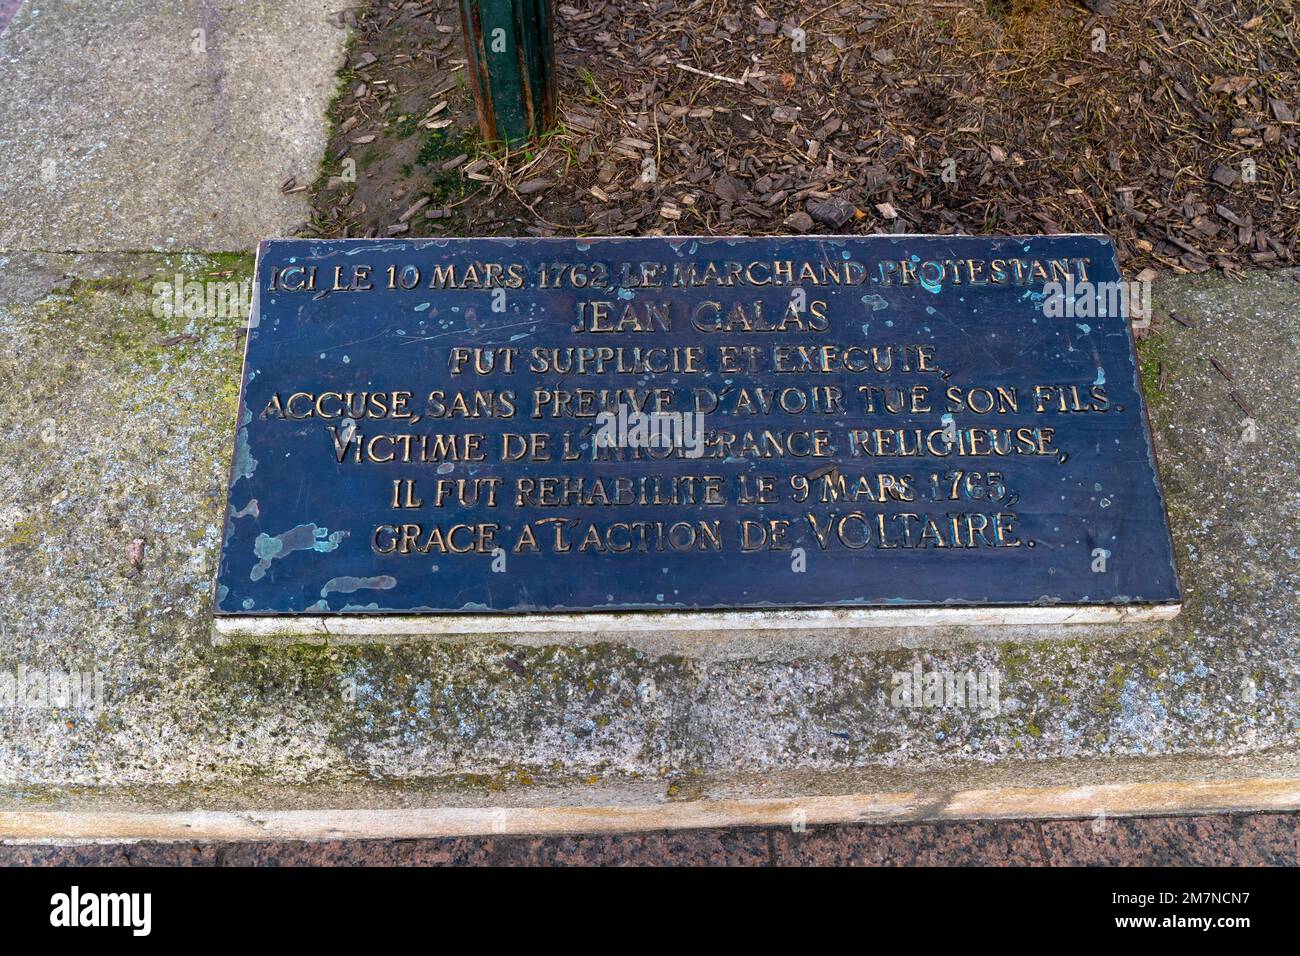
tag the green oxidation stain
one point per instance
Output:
(245, 463)
(251, 508)
(305, 537)
(347, 584)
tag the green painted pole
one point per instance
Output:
(511, 62)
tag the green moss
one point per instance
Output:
(406, 125)
(1015, 658)
(882, 744)
(238, 262)
(24, 532)
(1152, 352)
(343, 82)
(130, 318)
(438, 147)
(438, 694)
(1115, 683)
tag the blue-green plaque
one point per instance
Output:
(557, 427)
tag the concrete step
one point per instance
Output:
(118, 435)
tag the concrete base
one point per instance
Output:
(118, 435)
(382, 628)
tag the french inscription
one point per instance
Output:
(534, 425)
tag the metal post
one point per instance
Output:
(511, 59)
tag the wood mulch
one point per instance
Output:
(1168, 124)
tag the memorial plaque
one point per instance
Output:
(829, 427)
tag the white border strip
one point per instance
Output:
(1112, 800)
(621, 622)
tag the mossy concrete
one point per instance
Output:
(119, 426)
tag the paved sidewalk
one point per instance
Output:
(128, 124)
(7, 10)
